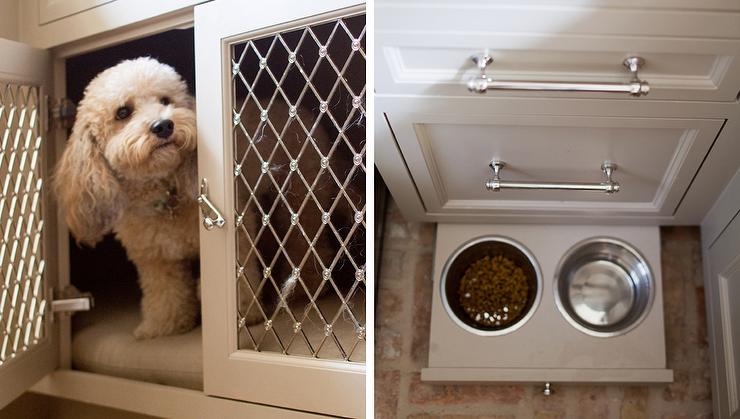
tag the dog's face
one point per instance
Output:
(135, 122)
(141, 116)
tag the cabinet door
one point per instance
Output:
(424, 47)
(281, 126)
(722, 272)
(448, 143)
(27, 341)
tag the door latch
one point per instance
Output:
(211, 215)
(63, 112)
(70, 300)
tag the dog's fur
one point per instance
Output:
(116, 175)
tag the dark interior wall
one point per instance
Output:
(175, 48)
(106, 267)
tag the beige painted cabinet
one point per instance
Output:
(534, 122)
(306, 356)
(556, 109)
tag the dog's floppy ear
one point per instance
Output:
(86, 187)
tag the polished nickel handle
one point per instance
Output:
(635, 87)
(211, 215)
(608, 186)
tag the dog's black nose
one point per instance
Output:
(163, 128)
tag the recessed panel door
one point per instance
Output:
(281, 125)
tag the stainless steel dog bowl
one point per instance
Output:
(603, 287)
(472, 251)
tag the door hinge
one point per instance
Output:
(62, 112)
(70, 299)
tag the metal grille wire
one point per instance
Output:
(299, 179)
(22, 294)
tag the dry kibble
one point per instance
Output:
(494, 291)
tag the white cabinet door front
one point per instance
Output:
(281, 126)
(448, 143)
(722, 270)
(424, 47)
(27, 341)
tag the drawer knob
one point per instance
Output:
(608, 186)
(634, 87)
(547, 391)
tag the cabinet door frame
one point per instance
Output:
(50, 10)
(27, 65)
(330, 387)
(92, 19)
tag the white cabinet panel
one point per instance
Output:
(50, 10)
(722, 283)
(682, 70)
(722, 261)
(729, 294)
(448, 154)
(424, 49)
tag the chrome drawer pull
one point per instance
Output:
(609, 186)
(634, 87)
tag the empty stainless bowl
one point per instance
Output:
(603, 287)
(472, 251)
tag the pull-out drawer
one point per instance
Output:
(425, 49)
(448, 156)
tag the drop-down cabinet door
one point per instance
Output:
(281, 154)
(447, 145)
(28, 345)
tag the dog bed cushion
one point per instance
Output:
(103, 343)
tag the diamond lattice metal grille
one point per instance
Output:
(22, 294)
(299, 182)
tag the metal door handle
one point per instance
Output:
(635, 87)
(609, 186)
(211, 215)
(70, 299)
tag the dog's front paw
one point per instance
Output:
(147, 330)
(150, 329)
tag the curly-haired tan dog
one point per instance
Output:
(130, 167)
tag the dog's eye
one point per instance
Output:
(165, 101)
(123, 112)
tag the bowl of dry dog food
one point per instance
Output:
(491, 285)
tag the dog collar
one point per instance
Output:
(168, 202)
